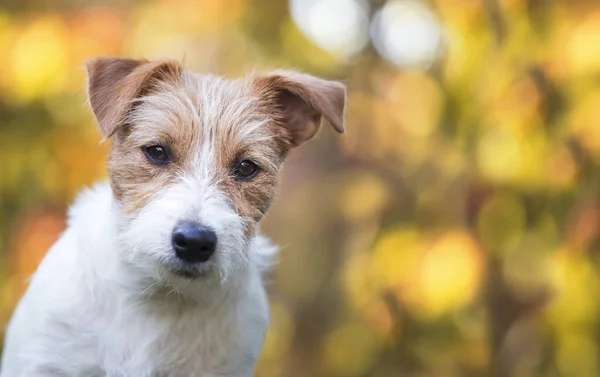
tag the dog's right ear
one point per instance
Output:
(114, 83)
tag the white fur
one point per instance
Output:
(104, 303)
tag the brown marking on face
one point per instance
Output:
(134, 180)
(252, 198)
(266, 146)
(208, 125)
(113, 86)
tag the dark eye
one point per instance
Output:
(246, 170)
(156, 154)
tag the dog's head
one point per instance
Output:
(195, 159)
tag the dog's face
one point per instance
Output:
(195, 159)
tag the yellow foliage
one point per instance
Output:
(279, 334)
(417, 98)
(432, 279)
(157, 36)
(449, 274)
(96, 30)
(582, 49)
(365, 197)
(350, 349)
(39, 58)
(577, 292)
(80, 157)
(394, 259)
(585, 121)
(501, 223)
(407, 114)
(562, 168)
(527, 269)
(506, 155)
(578, 355)
(6, 35)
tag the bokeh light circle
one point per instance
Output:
(407, 34)
(337, 26)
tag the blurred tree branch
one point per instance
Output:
(497, 20)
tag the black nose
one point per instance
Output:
(193, 242)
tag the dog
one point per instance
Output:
(160, 269)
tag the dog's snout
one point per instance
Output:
(193, 242)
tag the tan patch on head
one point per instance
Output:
(208, 125)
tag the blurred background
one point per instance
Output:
(453, 231)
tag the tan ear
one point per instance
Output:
(113, 84)
(301, 100)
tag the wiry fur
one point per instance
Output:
(111, 298)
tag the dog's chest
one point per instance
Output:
(170, 343)
(162, 342)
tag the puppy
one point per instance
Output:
(159, 270)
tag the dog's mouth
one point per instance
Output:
(187, 273)
(191, 272)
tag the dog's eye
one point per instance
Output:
(156, 154)
(246, 169)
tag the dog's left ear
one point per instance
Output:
(299, 101)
